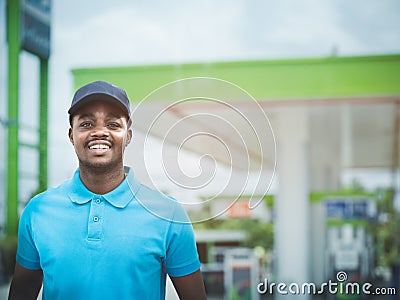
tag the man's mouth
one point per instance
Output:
(99, 145)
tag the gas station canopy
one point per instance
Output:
(352, 104)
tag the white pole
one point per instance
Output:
(292, 235)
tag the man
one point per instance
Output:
(102, 234)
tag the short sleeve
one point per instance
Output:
(181, 255)
(27, 254)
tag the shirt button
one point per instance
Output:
(96, 219)
(98, 201)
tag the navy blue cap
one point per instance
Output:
(97, 90)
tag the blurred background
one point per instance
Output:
(302, 120)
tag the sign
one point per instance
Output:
(349, 208)
(239, 209)
(35, 27)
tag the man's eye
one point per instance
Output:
(113, 125)
(86, 124)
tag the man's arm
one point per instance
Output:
(190, 287)
(26, 284)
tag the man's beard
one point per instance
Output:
(100, 167)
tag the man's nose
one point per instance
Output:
(100, 131)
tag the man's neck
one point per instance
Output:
(101, 181)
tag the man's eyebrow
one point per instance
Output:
(111, 115)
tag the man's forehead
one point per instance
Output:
(94, 114)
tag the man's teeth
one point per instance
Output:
(99, 146)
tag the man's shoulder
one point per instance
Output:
(58, 191)
(161, 205)
(147, 191)
(144, 192)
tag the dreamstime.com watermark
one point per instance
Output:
(330, 287)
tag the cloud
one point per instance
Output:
(274, 29)
(372, 24)
(143, 32)
(138, 34)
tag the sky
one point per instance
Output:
(96, 33)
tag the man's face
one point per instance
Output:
(100, 133)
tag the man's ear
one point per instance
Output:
(128, 137)
(71, 138)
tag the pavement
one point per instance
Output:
(3, 292)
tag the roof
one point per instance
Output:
(265, 79)
(219, 235)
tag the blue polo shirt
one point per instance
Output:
(119, 245)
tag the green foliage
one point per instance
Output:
(234, 294)
(386, 232)
(257, 232)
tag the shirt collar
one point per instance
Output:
(119, 197)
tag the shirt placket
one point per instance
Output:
(96, 218)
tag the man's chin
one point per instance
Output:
(99, 165)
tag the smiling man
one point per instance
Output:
(94, 236)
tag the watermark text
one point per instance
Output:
(331, 287)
